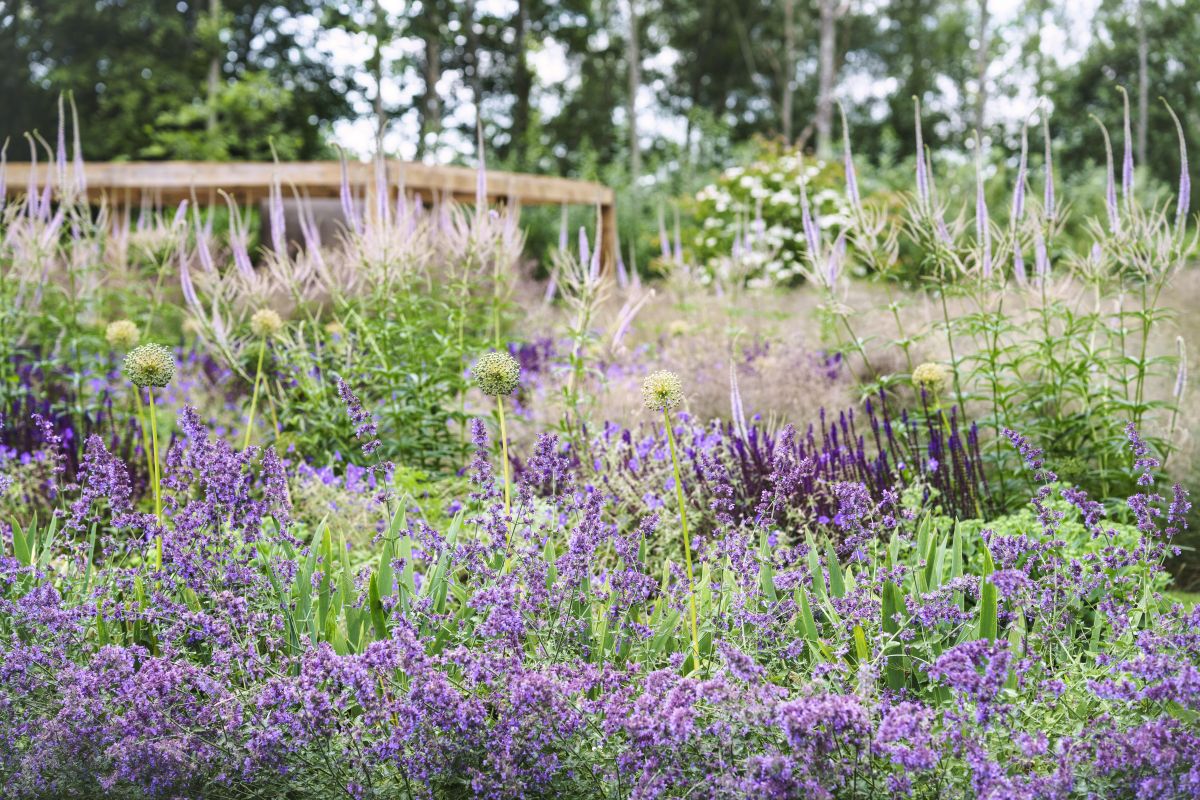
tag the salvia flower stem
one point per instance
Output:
(687, 545)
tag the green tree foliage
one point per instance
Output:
(138, 71)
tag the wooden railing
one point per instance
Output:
(170, 182)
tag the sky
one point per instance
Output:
(1064, 43)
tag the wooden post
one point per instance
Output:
(608, 238)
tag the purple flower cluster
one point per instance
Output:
(542, 652)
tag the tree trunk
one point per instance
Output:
(214, 73)
(789, 67)
(827, 74)
(375, 66)
(522, 86)
(1143, 120)
(634, 56)
(476, 77)
(431, 107)
(981, 67)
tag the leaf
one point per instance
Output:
(892, 604)
(989, 599)
(378, 621)
(837, 586)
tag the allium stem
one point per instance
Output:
(154, 457)
(504, 460)
(687, 545)
(262, 349)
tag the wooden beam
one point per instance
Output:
(174, 181)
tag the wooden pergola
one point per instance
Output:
(171, 182)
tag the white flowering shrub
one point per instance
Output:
(749, 220)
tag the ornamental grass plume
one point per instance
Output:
(146, 367)
(122, 335)
(663, 391)
(497, 375)
(265, 324)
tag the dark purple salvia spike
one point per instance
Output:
(1183, 199)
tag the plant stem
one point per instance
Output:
(156, 477)
(687, 545)
(262, 348)
(504, 459)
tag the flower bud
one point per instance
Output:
(497, 374)
(122, 335)
(265, 322)
(149, 365)
(931, 377)
(662, 390)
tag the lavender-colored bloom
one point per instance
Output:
(848, 161)
(983, 231)
(1048, 208)
(923, 192)
(1127, 161)
(1183, 199)
(812, 233)
(1018, 207)
(1110, 186)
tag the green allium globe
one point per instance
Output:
(497, 374)
(931, 377)
(265, 322)
(149, 365)
(662, 390)
(122, 334)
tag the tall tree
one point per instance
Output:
(633, 56)
(982, 61)
(830, 12)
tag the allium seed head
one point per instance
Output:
(931, 377)
(662, 390)
(122, 334)
(265, 322)
(149, 365)
(497, 374)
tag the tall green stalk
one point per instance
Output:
(262, 349)
(687, 545)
